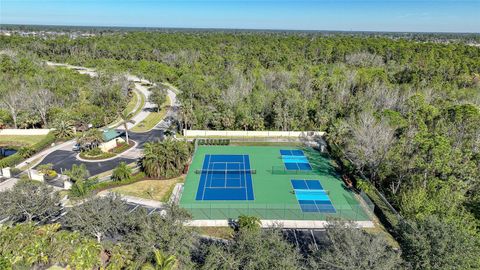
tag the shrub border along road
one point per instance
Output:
(17, 157)
(109, 155)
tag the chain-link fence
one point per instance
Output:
(221, 211)
(281, 170)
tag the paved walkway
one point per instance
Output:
(8, 184)
(66, 157)
(148, 107)
(137, 106)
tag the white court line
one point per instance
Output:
(245, 178)
(206, 179)
(228, 188)
(210, 176)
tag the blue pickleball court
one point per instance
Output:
(311, 196)
(295, 160)
(225, 177)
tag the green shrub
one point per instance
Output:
(110, 184)
(4, 263)
(50, 175)
(45, 168)
(11, 160)
(16, 158)
(122, 147)
(96, 154)
(81, 188)
(14, 171)
(122, 172)
(93, 152)
(26, 152)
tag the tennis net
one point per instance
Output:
(225, 171)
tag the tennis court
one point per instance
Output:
(312, 197)
(225, 177)
(224, 182)
(295, 160)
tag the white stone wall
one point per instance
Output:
(5, 172)
(241, 133)
(107, 146)
(36, 175)
(25, 132)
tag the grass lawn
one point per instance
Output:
(138, 96)
(152, 119)
(131, 105)
(218, 232)
(159, 190)
(133, 101)
(20, 140)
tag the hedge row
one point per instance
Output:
(110, 184)
(27, 152)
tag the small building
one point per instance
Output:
(111, 139)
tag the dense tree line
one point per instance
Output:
(34, 95)
(405, 113)
(104, 233)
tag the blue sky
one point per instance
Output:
(356, 15)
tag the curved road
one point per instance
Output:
(63, 158)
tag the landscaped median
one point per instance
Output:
(153, 118)
(96, 154)
(137, 99)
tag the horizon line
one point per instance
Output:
(235, 29)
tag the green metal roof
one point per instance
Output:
(110, 134)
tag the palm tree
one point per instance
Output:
(126, 118)
(162, 262)
(91, 138)
(165, 159)
(77, 172)
(122, 172)
(64, 129)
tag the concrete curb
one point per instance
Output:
(108, 159)
(41, 155)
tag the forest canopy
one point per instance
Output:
(404, 113)
(33, 94)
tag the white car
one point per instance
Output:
(76, 147)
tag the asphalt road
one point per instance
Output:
(64, 159)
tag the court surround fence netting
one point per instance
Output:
(229, 210)
(220, 171)
(283, 171)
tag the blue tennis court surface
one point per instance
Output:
(312, 197)
(295, 160)
(291, 153)
(225, 177)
